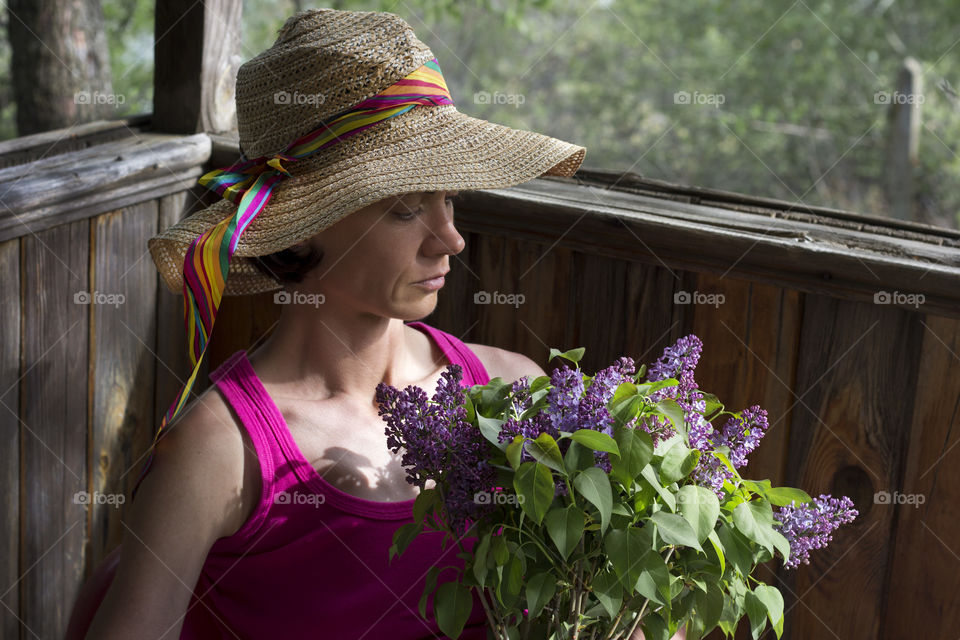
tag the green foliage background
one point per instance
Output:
(798, 79)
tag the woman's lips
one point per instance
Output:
(432, 284)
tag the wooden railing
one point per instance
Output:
(789, 301)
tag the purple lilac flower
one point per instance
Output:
(809, 526)
(742, 435)
(682, 356)
(563, 398)
(439, 444)
(658, 427)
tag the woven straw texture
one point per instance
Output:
(345, 57)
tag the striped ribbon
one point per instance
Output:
(249, 184)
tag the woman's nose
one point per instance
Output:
(443, 235)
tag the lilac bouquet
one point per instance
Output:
(600, 504)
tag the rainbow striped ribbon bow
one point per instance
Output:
(249, 184)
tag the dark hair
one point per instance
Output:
(288, 266)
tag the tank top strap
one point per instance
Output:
(457, 353)
(233, 378)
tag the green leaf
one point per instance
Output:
(625, 410)
(565, 527)
(709, 608)
(511, 581)
(650, 475)
(672, 411)
(594, 485)
(539, 383)
(425, 500)
(429, 585)
(545, 450)
(608, 591)
(678, 461)
(715, 541)
(452, 604)
(636, 451)
(736, 549)
(595, 440)
(626, 548)
(623, 390)
(780, 543)
(654, 627)
(402, 538)
(468, 405)
(754, 520)
(675, 530)
(515, 451)
(700, 507)
(578, 458)
(540, 590)
(500, 552)
(782, 496)
(654, 579)
(757, 613)
(480, 559)
(490, 429)
(573, 355)
(533, 483)
(772, 600)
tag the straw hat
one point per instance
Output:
(323, 63)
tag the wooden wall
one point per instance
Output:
(86, 348)
(862, 397)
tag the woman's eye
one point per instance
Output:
(405, 216)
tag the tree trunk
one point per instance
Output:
(60, 64)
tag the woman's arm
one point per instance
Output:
(187, 501)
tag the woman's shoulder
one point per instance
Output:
(504, 363)
(206, 444)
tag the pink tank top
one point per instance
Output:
(312, 560)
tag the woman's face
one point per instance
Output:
(374, 257)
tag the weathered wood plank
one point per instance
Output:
(855, 376)
(924, 575)
(92, 171)
(10, 429)
(51, 143)
(810, 257)
(196, 49)
(54, 415)
(122, 364)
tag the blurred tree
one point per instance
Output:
(59, 64)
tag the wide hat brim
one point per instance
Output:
(424, 149)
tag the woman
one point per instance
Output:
(271, 499)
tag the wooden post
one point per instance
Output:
(903, 139)
(195, 65)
